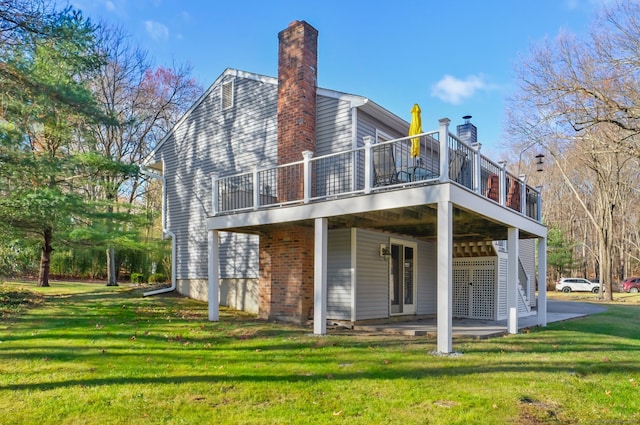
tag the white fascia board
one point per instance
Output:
(502, 214)
(227, 72)
(382, 201)
(345, 206)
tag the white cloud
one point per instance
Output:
(156, 30)
(110, 6)
(452, 90)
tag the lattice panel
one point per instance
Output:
(483, 298)
(460, 292)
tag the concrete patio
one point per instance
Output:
(557, 311)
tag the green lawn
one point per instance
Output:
(91, 354)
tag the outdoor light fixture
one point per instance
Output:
(384, 251)
(539, 162)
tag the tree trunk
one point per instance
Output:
(45, 258)
(111, 267)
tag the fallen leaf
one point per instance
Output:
(338, 413)
(329, 376)
(608, 393)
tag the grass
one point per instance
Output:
(85, 353)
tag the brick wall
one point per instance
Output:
(286, 274)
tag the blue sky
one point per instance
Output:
(453, 58)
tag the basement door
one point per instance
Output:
(474, 288)
(402, 277)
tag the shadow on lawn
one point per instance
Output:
(410, 371)
(119, 324)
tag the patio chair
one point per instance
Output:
(384, 167)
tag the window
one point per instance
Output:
(227, 95)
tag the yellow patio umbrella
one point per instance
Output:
(415, 128)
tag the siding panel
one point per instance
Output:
(339, 274)
(372, 288)
(427, 290)
(212, 140)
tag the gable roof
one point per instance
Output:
(361, 102)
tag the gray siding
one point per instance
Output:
(368, 125)
(372, 281)
(339, 274)
(333, 126)
(526, 250)
(427, 289)
(228, 141)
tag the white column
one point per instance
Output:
(368, 164)
(444, 148)
(523, 194)
(256, 188)
(214, 277)
(512, 280)
(444, 272)
(320, 277)
(477, 167)
(214, 193)
(503, 183)
(542, 282)
(307, 155)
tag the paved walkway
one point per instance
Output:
(557, 311)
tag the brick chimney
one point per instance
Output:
(286, 253)
(297, 81)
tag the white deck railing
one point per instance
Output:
(377, 167)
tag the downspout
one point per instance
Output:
(165, 232)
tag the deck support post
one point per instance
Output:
(213, 295)
(512, 280)
(444, 276)
(320, 277)
(541, 305)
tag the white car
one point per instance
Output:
(577, 284)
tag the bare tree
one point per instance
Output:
(144, 103)
(579, 100)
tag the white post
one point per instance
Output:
(477, 167)
(523, 193)
(444, 277)
(256, 188)
(542, 282)
(320, 277)
(214, 193)
(503, 183)
(512, 280)
(539, 189)
(213, 295)
(444, 148)
(368, 164)
(307, 155)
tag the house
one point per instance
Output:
(301, 203)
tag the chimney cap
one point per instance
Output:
(466, 117)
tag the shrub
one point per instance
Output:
(156, 278)
(137, 278)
